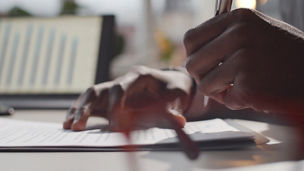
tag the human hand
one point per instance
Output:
(244, 59)
(140, 98)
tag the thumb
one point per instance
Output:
(180, 120)
(171, 121)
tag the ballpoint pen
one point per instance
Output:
(223, 6)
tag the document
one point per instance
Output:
(16, 134)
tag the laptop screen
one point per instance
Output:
(48, 55)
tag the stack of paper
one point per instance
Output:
(18, 135)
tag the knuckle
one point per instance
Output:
(146, 78)
(88, 90)
(146, 82)
(241, 29)
(141, 69)
(99, 88)
(188, 65)
(88, 93)
(243, 14)
(241, 33)
(188, 36)
(190, 68)
(244, 85)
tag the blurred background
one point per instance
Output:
(53, 50)
(150, 32)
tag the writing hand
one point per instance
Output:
(244, 59)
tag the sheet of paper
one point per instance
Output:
(15, 133)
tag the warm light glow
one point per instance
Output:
(245, 4)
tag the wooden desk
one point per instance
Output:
(268, 157)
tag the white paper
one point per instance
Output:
(15, 133)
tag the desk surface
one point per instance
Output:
(266, 157)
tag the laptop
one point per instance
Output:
(45, 63)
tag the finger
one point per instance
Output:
(177, 99)
(72, 109)
(100, 106)
(235, 99)
(70, 114)
(207, 31)
(80, 124)
(85, 100)
(221, 78)
(209, 56)
(77, 104)
(69, 118)
(68, 123)
(198, 36)
(244, 94)
(82, 111)
(145, 121)
(189, 146)
(179, 120)
(117, 119)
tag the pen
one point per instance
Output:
(189, 146)
(222, 6)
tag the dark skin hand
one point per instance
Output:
(244, 59)
(139, 99)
